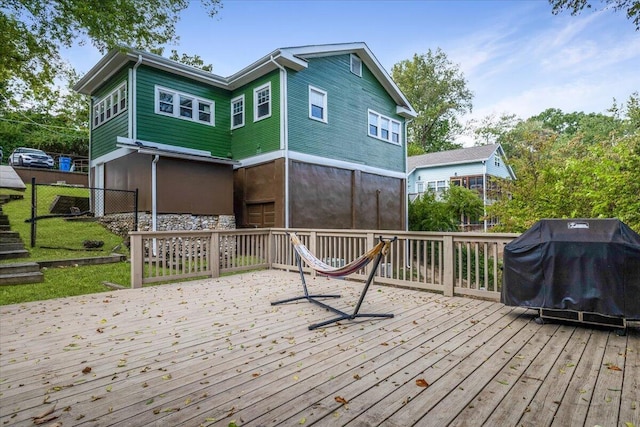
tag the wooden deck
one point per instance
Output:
(215, 352)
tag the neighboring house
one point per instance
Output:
(310, 136)
(474, 168)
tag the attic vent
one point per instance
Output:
(356, 65)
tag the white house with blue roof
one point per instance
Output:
(474, 168)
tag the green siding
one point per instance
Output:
(345, 136)
(103, 138)
(178, 132)
(262, 136)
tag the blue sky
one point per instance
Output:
(516, 55)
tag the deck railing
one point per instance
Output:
(468, 264)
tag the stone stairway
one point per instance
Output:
(11, 246)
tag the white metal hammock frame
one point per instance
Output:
(375, 255)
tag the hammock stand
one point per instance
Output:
(375, 254)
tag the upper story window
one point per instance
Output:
(384, 128)
(419, 186)
(262, 102)
(497, 161)
(237, 112)
(110, 106)
(317, 104)
(184, 106)
(356, 65)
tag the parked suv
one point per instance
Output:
(30, 157)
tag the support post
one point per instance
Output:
(449, 261)
(34, 200)
(137, 260)
(214, 254)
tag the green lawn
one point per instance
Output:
(56, 239)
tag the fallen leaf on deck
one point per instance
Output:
(629, 424)
(420, 382)
(341, 400)
(86, 370)
(614, 368)
(255, 374)
(47, 412)
(302, 420)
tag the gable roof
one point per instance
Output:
(454, 157)
(294, 58)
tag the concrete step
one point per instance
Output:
(11, 246)
(14, 254)
(21, 278)
(19, 267)
(5, 227)
(10, 237)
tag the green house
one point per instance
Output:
(311, 136)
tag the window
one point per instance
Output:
(262, 102)
(419, 187)
(237, 112)
(496, 160)
(317, 104)
(184, 106)
(384, 128)
(110, 106)
(356, 65)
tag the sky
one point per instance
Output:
(517, 57)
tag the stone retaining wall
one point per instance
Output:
(121, 224)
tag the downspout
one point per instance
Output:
(406, 177)
(484, 193)
(284, 143)
(154, 194)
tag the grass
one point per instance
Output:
(62, 282)
(58, 239)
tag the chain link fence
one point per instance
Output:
(78, 205)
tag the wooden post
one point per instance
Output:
(214, 254)
(449, 271)
(137, 260)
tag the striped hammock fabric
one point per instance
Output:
(345, 270)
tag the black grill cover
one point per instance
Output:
(589, 265)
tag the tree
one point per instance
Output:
(491, 129)
(430, 213)
(631, 7)
(33, 31)
(438, 91)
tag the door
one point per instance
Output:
(261, 215)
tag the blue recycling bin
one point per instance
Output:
(64, 163)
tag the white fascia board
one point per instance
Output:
(323, 161)
(407, 113)
(101, 72)
(113, 155)
(136, 144)
(265, 65)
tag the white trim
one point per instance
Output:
(244, 110)
(351, 63)
(101, 103)
(111, 156)
(175, 105)
(324, 118)
(255, 102)
(159, 146)
(308, 158)
(381, 119)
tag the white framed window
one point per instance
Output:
(419, 187)
(355, 65)
(384, 128)
(237, 112)
(262, 102)
(184, 106)
(317, 104)
(110, 106)
(497, 161)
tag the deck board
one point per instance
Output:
(213, 351)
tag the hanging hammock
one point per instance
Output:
(327, 270)
(375, 255)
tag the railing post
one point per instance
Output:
(270, 248)
(449, 255)
(137, 260)
(214, 254)
(313, 243)
(371, 242)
